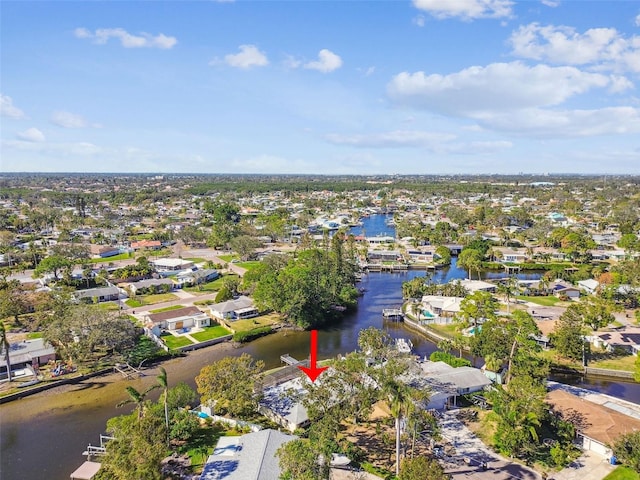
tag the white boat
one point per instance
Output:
(403, 345)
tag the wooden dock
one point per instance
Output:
(126, 370)
(289, 360)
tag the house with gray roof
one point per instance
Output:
(102, 294)
(247, 457)
(241, 307)
(187, 317)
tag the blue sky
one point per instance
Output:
(319, 87)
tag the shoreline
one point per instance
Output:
(108, 376)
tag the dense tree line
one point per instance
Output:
(311, 289)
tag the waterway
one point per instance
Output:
(43, 436)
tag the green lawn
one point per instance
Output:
(544, 301)
(622, 473)
(151, 299)
(210, 333)
(621, 362)
(122, 256)
(166, 309)
(209, 287)
(111, 306)
(196, 259)
(444, 329)
(249, 265)
(158, 298)
(34, 335)
(175, 342)
(227, 258)
(257, 322)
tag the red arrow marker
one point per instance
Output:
(313, 371)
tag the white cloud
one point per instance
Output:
(8, 109)
(127, 40)
(465, 9)
(638, 21)
(68, 120)
(566, 123)
(418, 20)
(496, 87)
(327, 62)
(291, 62)
(249, 56)
(550, 3)
(602, 48)
(394, 139)
(31, 135)
(478, 147)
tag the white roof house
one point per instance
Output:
(171, 264)
(248, 457)
(589, 286)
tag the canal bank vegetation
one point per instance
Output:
(311, 289)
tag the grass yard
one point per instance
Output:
(211, 333)
(227, 258)
(623, 473)
(619, 362)
(249, 265)
(445, 329)
(158, 298)
(109, 306)
(166, 309)
(201, 445)
(175, 342)
(33, 336)
(549, 301)
(122, 256)
(143, 300)
(196, 259)
(253, 323)
(209, 287)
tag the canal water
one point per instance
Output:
(43, 436)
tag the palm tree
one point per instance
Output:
(138, 398)
(163, 383)
(6, 346)
(401, 404)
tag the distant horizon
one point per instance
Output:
(401, 175)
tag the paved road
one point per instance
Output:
(468, 446)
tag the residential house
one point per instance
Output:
(627, 339)
(188, 278)
(237, 309)
(476, 285)
(560, 288)
(510, 255)
(103, 251)
(590, 286)
(150, 244)
(102, 294)
(282, 404)
(27, 356)
(247, 457)
(445, 382)
(378, 256)
(421, 255)
(171, 265)
(187, 317)
(439, 306)
(599, 426)
(149, 285)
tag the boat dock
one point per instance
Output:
(126, 370)
(289, 360)
(392, 313)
